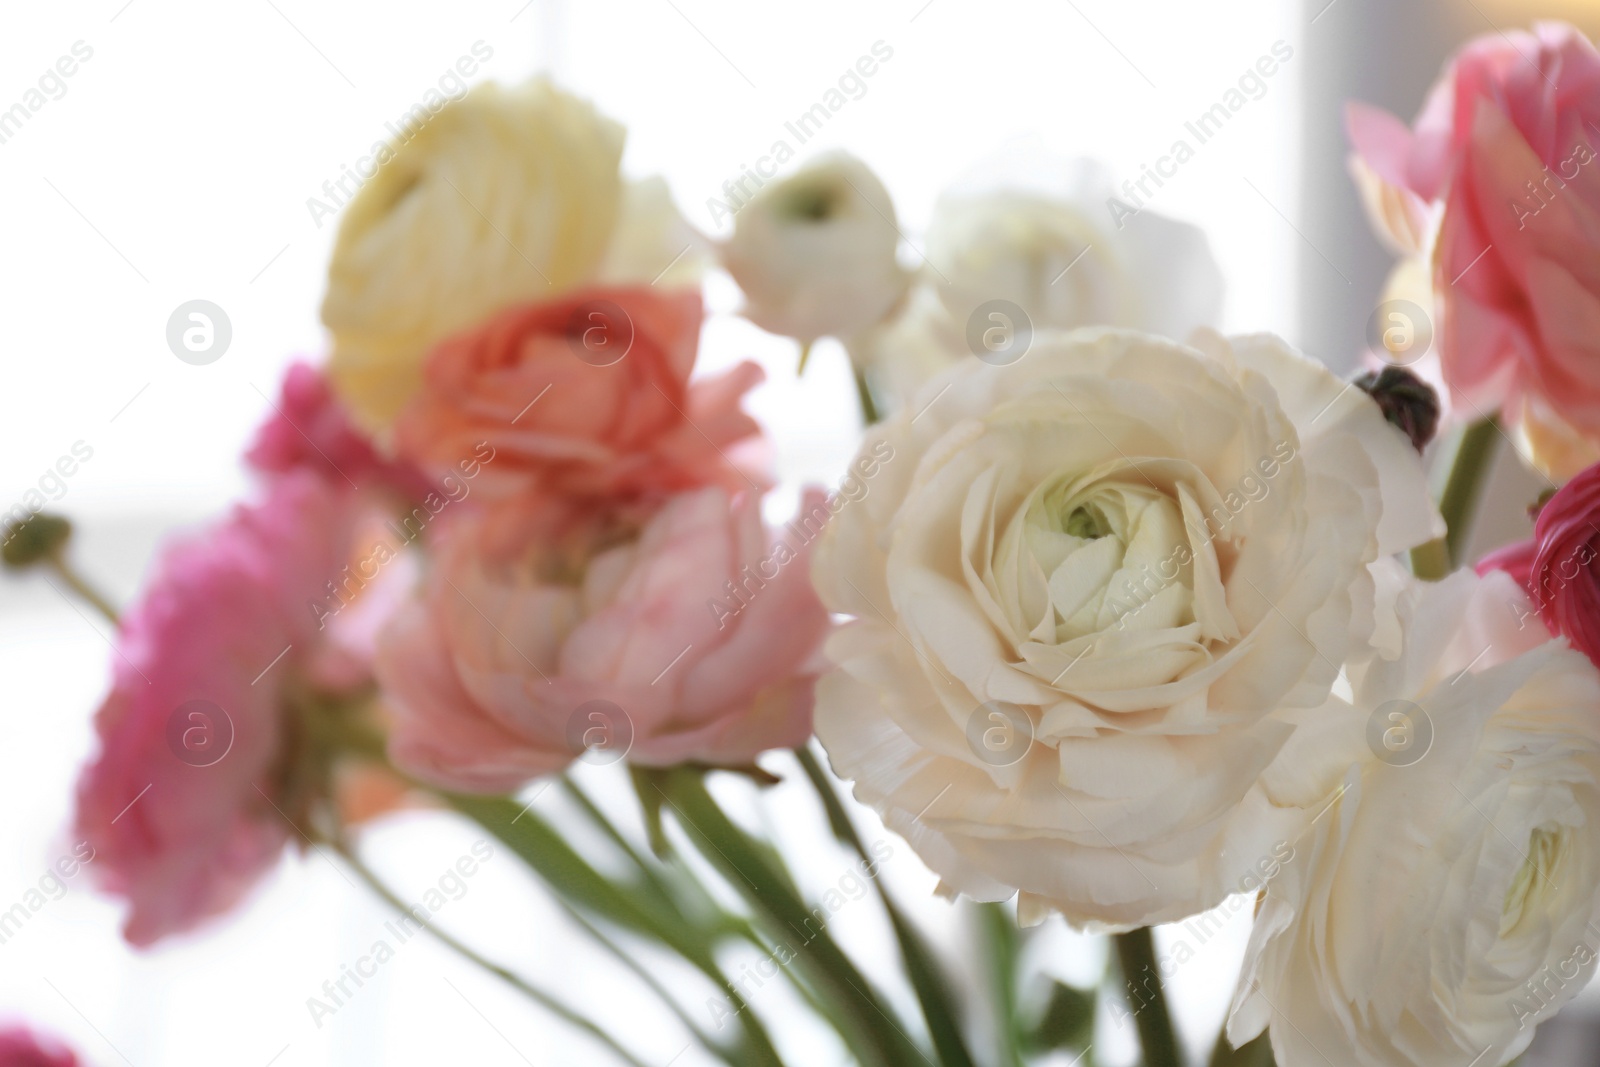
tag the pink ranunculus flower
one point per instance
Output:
(1557, 566)
(204, 754)
(588, 395)
(310, 430)
(1505, 152)
(22, 1047)
(690, 634)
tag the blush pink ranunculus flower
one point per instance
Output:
(1557, 565)
(22, 1047)
(1505, 154)
(588, 394)
(204, 751)
(310, 430)
(689, 634)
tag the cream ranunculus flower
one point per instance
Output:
(814, 253)
(1446, 898)
(1084, 587)
(1036, 237)
(507, 195)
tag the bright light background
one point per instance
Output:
(177, 166)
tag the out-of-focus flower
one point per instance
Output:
(227, 686)
(686, 636)
(309, 430)
(1084, 590)
(1446, 897)
(586, 395)
(1557, 565)
(22, 1047)
(1029, 246)
(1502, 162)
(815, 252)
(505, 196)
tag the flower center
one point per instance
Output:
(1533, 879)
(1112, 555)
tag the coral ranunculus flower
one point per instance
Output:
(585, 395)
(1506, 146)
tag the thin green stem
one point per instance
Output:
(652, 983)
(79, 585)
(869, 407)
(629, 905)
(521, 985)
(1257, 1052)
(1146, 999)
(1469, 467)
(1003, 944)
(939, 1007)
(872, 1032)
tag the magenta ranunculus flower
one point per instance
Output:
(205, 755)
(22, 1047)
(690, 634)
(1506, 145)
(309, 430)
(1557, 565)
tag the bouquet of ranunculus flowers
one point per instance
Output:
(1111, 616)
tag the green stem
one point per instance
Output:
(939, 1007)
(873, 1032)
(78, 585)
(1003, 941)
(1147, 1000)
(521, 985)
(631, 906)
(1469, 466)
(1257, 1052)
(869, 407)
(652, 983)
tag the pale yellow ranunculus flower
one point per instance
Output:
(507, 195)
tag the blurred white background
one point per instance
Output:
(177, 165)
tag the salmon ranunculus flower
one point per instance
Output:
(1503, 161)
(586, 395)
(689, 635)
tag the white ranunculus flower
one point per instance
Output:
(1038, 238)
(506, 195)
(814, 253)
(1085, 585)
(1447, 897)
